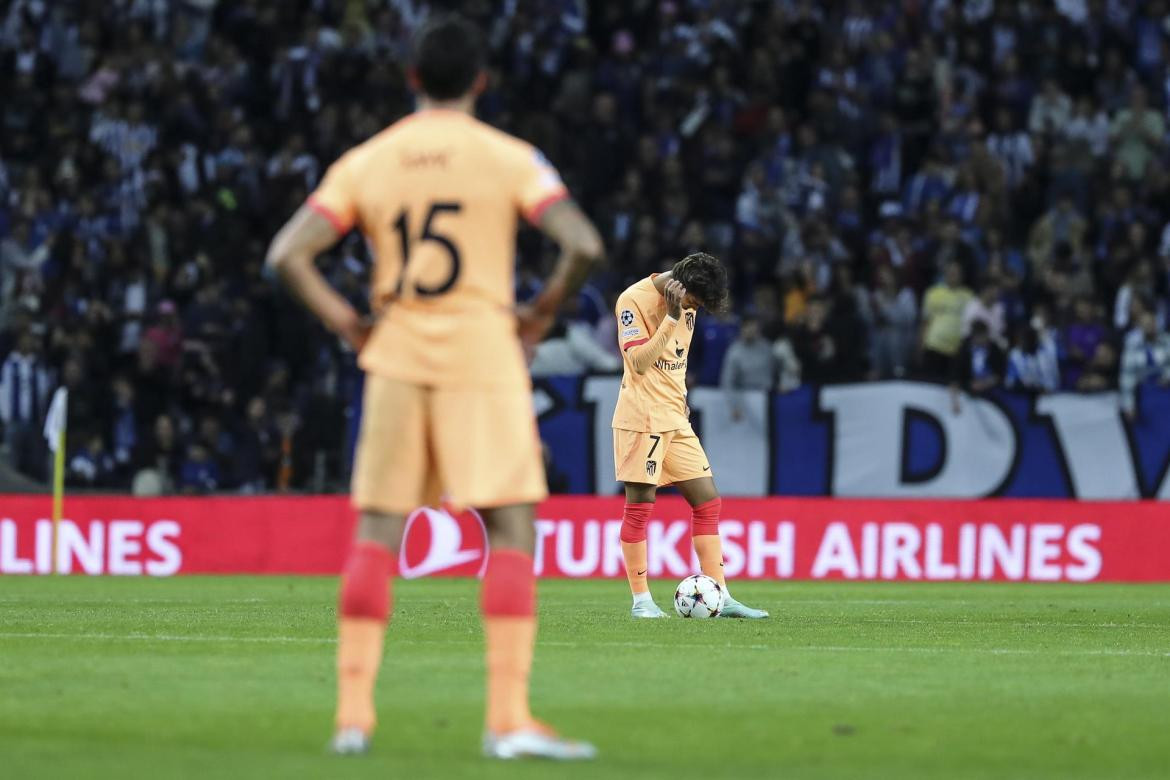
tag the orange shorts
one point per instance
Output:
(659, 458)
(471, 447)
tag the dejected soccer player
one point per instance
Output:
(448, 399)
(653, 442)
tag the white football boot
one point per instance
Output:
(644, 607)
(733, 609)
(536, 741)
(350, 741)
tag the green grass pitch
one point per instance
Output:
(232, 677)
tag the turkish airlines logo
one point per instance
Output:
(437, 542)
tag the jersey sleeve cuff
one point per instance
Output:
(534, 213)
(339, 224)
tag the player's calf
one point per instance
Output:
(364, 605)
(635, 516)
(709, 550)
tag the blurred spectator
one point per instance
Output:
(788, 371)
(895, 319)
(91, 465)
(749, 365)
(1135, 295)
(1032, 362)
(1060, 225)
(199, 472)
(161, 453)
(166, 335)
(572, 348)
(1137, 134)
(1100, 372)
(256, 451)
(1012, 147)
(26, 386)
(125, 425)
(942, 322)
(1146, 359)
(988, 309)
(1051, 110)
(818, 344)
(980, 365)
(1081, 338)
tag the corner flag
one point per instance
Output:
(55, 435)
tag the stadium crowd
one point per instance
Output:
(972, 192)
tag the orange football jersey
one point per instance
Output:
(657, 400)
(438, 196)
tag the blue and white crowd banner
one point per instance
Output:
(885, 440)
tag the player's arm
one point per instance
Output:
(293, 255)
(642, 355)
(581, 250)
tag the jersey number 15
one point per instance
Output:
(429, 233)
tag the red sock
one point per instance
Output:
(633, 538)
(705, 537)
(365, 582)
(363, 608)
(509, 622)
(509, 585)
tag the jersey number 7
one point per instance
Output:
(402, 225)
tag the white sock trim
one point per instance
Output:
(643, 598)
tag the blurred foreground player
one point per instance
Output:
(653, 442)
(448, 399)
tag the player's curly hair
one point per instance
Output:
(705, 278)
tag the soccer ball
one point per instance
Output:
(698, 596)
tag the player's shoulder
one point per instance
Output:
(637, 294)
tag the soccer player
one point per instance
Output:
(653, 442)
(448, 399)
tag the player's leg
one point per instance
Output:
(706, 505)
(637, 461)
(508, 603)
(488, 453)
(687, 467)
(390, 479)
(635, 515)
(363, 609)
(509, 623)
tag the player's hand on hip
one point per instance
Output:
(531, 326)
(354, 331)
(674, 294)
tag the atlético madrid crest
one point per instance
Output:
(690, 320)
(651, 467)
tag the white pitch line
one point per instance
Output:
(636, 645)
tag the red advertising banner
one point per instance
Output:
(778, 538)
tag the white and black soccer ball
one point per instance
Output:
(699, 596)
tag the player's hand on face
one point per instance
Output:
(674, 293)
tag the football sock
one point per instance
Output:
(643, 598)
(633, 538)
(363, 610)
(705, 537)
(508, 600)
